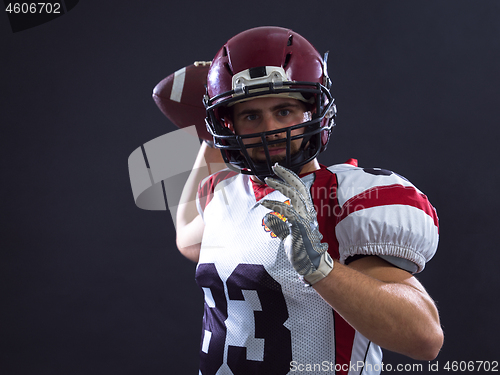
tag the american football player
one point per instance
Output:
(303, 267)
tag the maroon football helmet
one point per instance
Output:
(269, 61)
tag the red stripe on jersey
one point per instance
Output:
(389, 195)
(324, 194)
(206, 190)
(260, 190)
(344, 340)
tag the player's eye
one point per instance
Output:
(251, 117)
(283, 112)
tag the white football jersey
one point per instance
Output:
(260, 318)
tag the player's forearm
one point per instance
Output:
(396, 316)
(207, 162)
(189, 224)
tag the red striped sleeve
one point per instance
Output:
(389, 195)
(206, 187)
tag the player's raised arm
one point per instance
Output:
(189, 223)
(179, 97)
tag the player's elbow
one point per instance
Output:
(429, 344)
(188, 238)
(192, 252)
(434, 345)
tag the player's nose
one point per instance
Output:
(269, 123)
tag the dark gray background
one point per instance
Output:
(93, 285)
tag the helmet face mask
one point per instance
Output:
(246, 68)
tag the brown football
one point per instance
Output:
(180, 97)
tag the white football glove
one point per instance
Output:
(300, 233)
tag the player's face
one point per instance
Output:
(266, 114)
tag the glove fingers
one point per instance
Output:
(286, 210)
(288, 191)
(277, 226)
(293, 244)
(292, 179)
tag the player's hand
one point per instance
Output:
(300, 233)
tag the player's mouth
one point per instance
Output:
(275, 151)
